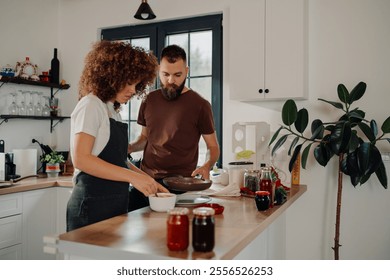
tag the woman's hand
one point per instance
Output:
(147, 185)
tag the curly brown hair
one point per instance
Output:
(111, 65)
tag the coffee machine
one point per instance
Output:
(7, 167)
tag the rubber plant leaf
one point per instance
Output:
(294, 157)
(289, 112)
(340, 137)
(343, 93)
(369, 158)
(338, 105)
(302, 120)
(322, 153)
(293, 143)
(279, 143)
(357, 92)
(381, 174)
(305, 155)
(386, 126)
(367, 131)
(356, 116)
(275, 135)
(317, 129)
(374, 127)
(354, 142)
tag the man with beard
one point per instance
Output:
(173, 118)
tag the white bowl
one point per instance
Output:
(162, 202)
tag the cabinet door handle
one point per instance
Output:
(261, 90)
(266, 90)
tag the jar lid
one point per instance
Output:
(260, 193)
(203, 211)
(178, 211)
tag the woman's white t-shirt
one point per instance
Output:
(91, 116)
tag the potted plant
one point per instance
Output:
(52, 161)
(350, 137)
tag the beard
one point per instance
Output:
(172, 92)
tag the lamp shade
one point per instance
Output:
(144, 11)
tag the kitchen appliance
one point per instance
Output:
(237, 170)
(10, 167)
(253, 136)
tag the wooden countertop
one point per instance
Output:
(30, 184)
(141, 234)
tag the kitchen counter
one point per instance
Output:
(30, 184)
(141, 234)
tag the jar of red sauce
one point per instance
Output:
(203, 229)
(177, 229)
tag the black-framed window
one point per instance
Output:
(201, 37)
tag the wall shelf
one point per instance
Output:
(53, 120)
(20, 81)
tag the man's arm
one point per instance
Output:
(139, 143)
(214, 152)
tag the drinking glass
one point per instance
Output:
(22, 104)
(46, 108)
(38, 106)
(13, 108)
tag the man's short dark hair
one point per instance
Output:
(173, 52)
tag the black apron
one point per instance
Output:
(94, 199)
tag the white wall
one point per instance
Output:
(348, 42)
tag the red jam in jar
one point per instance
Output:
(177, 229)
(203, 229)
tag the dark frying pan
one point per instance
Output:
(10, 183)
(179, 183)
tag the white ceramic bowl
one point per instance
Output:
(162, 202)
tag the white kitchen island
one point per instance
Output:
(241, 232)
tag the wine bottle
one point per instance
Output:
(55, 69)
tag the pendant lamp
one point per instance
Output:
(144, 11)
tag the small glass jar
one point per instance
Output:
(252, 180)
(267, 184)
(177, 229)
(262, 200)
(203, 229)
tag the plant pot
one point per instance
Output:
(52, 169)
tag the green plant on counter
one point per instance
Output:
(52, 158)
(358, 158)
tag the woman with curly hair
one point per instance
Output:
(114, 72)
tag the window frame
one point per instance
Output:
(157, 33)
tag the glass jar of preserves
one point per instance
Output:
(262, 200)
(177, 229)
(267, 184)
(252, 180)
(203, 229)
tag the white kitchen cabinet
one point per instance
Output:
(10, 226)
(39, 219)
(268, 50)
(11, 253)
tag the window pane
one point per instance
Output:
(178, 39)
(134, 108)
(135, 131)
(141, 42)
(124, 112)
(202, 86)
(200, 53)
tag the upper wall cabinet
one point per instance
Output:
(268, 50)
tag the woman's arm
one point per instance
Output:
(93, 165)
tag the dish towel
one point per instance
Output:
(220, 190)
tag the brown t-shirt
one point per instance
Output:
(174, 128)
